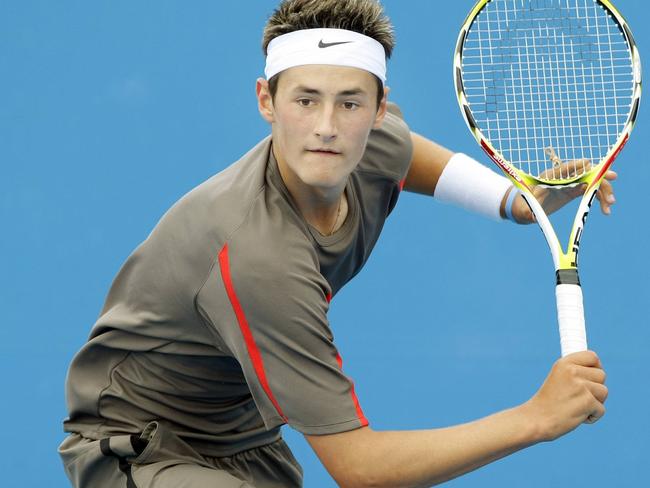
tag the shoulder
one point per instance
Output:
(224, 198)
(217, 206)
(389, 148)
(186, 240)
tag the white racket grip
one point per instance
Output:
(571, 317)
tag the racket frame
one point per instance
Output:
(563, 259)
(569, 298)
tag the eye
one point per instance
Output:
(350, 105)
(305, 102)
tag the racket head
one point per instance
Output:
(546, 82)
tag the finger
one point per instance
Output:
(584, 358)
(600, 392)
(567, 169)
(606, 197)
(596, 414)
(592, 373)
(571, 168)
(606, 187)
(611, 175)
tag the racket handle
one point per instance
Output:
(571, 317)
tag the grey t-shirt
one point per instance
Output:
(217, 323)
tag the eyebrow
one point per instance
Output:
(345, 93)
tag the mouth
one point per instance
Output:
(324, 151)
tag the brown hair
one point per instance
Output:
(366, 17)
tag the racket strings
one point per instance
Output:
(548, 74)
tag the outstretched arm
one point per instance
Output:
(429, 160)
(573, 393)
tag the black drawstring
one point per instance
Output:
(137, 445)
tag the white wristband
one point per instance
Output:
(468, 184)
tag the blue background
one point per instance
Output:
(110, 111)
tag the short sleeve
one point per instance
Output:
(390, 149)
(268, 305)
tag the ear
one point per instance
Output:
(264, 100)
(381, 112)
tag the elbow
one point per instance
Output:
(351, 458)
(357, 483)
(360, 476)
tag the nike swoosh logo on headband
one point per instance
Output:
(323, 45)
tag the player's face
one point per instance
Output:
(321, 119)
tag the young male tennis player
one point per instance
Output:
(215, 332)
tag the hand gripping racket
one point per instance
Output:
(546, 82)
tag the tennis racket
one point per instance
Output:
(543, 83)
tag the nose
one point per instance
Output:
(326, 129)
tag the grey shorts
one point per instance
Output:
(159, 459)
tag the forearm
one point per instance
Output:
(427, 165)
(428, 457)
(425, 458)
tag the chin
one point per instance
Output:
(325, 182)
(323, 173)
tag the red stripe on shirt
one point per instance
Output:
(362, 418)
(253, 350)
(401, 184)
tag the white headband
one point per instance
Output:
(337, 47)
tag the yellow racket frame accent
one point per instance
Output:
(563, 259)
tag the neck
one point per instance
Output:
(324, 208)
